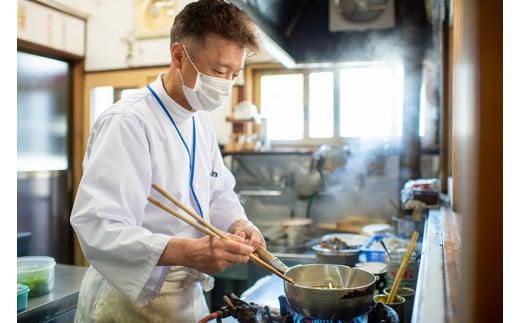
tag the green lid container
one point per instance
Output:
(21, 299)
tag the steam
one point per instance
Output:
(362, 186)
(372, 171)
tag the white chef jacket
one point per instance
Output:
(132, 146)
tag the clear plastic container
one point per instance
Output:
(37, 273)
(409, 278)
(21, 299)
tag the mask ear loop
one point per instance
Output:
(189, 58)
(182, 81)
(186, 51)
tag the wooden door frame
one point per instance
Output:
(76, 147)
(119, 79)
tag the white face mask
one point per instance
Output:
(209, 92)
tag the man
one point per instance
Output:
(147, 266)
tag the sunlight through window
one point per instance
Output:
(321, 105)
(281, 103)
(371, 100)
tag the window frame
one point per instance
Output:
(314, 141)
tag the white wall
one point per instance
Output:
(109, 22)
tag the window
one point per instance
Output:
(103, 97)
(281, 103)
(123, 93)
(321, 105)
(371, 101)
(331, 104)
(43, 110)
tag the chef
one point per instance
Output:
(145, 265)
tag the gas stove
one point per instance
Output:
(245, 312)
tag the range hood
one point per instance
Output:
(302, 33)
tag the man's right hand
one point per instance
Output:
(206, 254)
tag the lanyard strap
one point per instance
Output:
(191, 156)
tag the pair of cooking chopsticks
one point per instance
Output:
(205, 227)
(402, 268)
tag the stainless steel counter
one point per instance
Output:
(265, 291)
(60, 304)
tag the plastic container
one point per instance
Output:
(37, 273)
(21, 299)
(409, 278)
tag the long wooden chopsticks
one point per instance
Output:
(262, 253)
(402, 268)
(206, 227)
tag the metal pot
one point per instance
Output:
(351, 299)
(347, 257)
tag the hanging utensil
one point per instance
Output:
(386, 250)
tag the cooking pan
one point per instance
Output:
(351, 297)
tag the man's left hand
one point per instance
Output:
(249, 232)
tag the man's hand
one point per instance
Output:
(207, 254)
(250, 233)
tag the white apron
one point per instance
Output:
(181, 299)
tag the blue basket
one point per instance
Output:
(372, 255)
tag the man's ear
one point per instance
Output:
(177, 54)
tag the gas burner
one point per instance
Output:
(285, 309)
(246, 312)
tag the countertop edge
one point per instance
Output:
(430, 304)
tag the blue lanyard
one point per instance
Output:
(191, 155)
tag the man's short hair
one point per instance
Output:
(198, 19)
